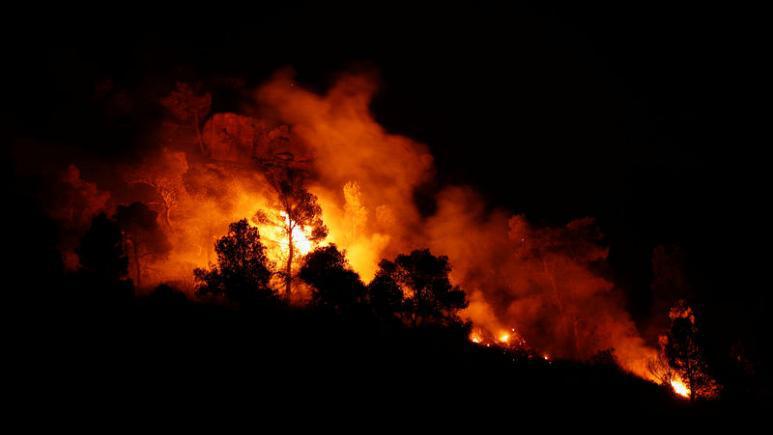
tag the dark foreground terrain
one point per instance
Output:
(166, 351)
(72, 346)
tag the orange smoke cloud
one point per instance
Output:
(365, 176)
(537, 284)
(74, 205)
(541, 281)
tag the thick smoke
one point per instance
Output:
(546, 283)
(73, 202)
(366, 176)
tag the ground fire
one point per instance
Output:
(680, 388)
(525, 283)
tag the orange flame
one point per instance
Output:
(680, 388)
(300, 238)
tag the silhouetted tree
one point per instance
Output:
(669, 284)
(203, 184)
(242, 274)
(142, 235)
(429, 294)
(659, 367)
(334, 283)
(37, 259)
(604, 358)
(547, 249)
(298, 209)
(685, 353)
(103, 262)
(232, 137)
(164, 173)
(385, 296)
(166, 295)
(189, 108)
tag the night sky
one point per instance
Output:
(641, 116)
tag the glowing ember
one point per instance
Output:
(680, 388)
(504, 338)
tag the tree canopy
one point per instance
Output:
(142, 235)
(333, 282)
(242, 272)
(297, 209)
(685, 353)
(429, 295)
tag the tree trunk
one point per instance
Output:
(199, 136)
(559, 300)
(289, 268)
(689, 380)
(168, 214)
(208, 246)
(137, 268)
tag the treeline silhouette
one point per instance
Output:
(367, 345)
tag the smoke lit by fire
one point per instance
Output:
(544, 286)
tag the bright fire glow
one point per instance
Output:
(300, 239)
(503, 338)
(680, 388)
(375, 218)
(301, 242)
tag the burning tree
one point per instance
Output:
(232, 137)
(355, 214)
(189, 108)
(298, 215)
(659, 367)
(684, 352)
(142, 235)
(243, 271)
(165, 175)
(568, 281)
(429, 295)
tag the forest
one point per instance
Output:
(348, 216)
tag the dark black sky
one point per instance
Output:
(640, 115)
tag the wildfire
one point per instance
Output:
(680, 388)
(300, 238)
(377, 218)
(273, 232)
(505, 338)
